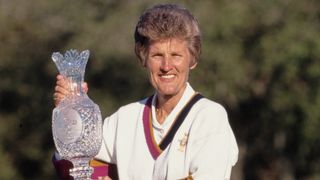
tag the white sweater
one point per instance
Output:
(203, 147)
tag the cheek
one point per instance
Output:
(186, 73)
(152, 66)
(151, 73)
(184, 68)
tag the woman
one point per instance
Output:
(176, 133)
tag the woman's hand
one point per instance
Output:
(62, 89)
(104, 178)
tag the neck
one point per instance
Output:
(165, 104)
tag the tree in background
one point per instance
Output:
(260, 60)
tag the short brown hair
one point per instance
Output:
(167, 21)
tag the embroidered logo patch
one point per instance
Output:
(183, 142)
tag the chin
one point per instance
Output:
(168, 92)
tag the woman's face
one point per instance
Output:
(168, 63)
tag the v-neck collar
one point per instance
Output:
(187, 94)
(185, 103)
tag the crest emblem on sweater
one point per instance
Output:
(183, 142)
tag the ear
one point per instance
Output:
(143, 63)
(142, 60)
(193, 64)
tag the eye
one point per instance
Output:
(176, 55)
(156, 55)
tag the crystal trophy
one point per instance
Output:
(76, 121)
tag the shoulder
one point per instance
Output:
(131, 107)
(210, 115)
(128, 113)
(129, 110)
(210, 108)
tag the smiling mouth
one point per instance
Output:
(167, 76)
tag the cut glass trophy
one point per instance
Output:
(76, 121)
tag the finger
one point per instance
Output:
(63, 83)
(58, 96)
(61, 90)
(85, 87)
(59, 77)
(56, 100)
(104, 178)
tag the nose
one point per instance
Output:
(166, 64)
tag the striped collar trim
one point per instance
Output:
(154, 148)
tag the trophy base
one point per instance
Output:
(81, 170)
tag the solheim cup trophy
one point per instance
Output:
(76, 121)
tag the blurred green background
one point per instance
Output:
(260, 60)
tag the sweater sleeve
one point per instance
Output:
(214, 148)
